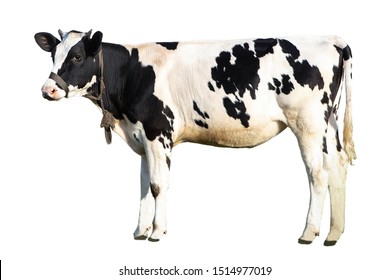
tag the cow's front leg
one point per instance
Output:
(160, 218)
(159, 163)
(146, 210)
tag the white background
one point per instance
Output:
(69, 203)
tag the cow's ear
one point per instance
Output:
(95, 43)
(46, 41)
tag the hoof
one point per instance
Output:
(305, 242)
(151, 239)
(156, 235)
(329, 243)
(140, 237)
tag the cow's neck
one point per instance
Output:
(110, 87)
(127, 82)
(116, 61)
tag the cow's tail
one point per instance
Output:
(349, 146)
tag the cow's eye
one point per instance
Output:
(77, 58)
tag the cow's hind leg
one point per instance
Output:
(337, 163)
(312, 155)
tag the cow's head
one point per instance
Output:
(75, 64)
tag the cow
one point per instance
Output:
(237, 93)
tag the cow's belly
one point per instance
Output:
(233, 137)
(210, 121)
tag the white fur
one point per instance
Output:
(76, 91)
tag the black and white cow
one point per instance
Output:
(237, 93)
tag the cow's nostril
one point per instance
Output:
(53, 90)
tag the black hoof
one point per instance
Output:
(305, 242)
(329, 243)
(153, 239)
(141, 237)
